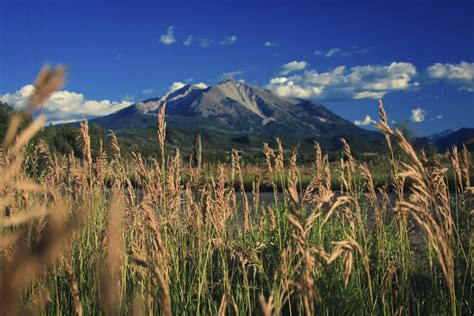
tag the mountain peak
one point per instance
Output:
(237, 108)
(228, 80)
(234, 102)
(175, 99)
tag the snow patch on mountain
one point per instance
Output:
(151, 106)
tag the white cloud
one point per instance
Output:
(328, 53)
(365, 122)
(461, 74)
(178, 85)
(340, 52)
(19, 100)
(201, 85)
(293, 66)
(439, 117)
(168, 37)
(231, 74)
(65, 106)
(360, 82)
(229, 40)
(205, 42)
(188, 41)
(418, 115)
(271, 44)
(148, 91)
(278, 80)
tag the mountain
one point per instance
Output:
(435, 137)
(242, 113)
(458, 138)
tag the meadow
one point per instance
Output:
(78, 236)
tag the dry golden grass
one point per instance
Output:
(89, 240)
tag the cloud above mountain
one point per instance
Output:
(189, 40)
(65, 106)
(168, 37)
(333, 52)
(461, 74)
(418, 115)
(359, 82)
(229, 40)
(178, 85)
(365, 122)
(293, 66)
(205, 42)
(271, 44)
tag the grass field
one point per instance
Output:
(77, 237)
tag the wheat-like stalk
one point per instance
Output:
(162, 131)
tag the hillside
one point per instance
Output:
(458, 138)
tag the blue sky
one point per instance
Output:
(417, 55)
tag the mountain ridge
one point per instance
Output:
(436, 136)
(463, 136)
(236, 109)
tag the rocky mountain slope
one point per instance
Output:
(235, 109)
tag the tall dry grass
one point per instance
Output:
(89, 240)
